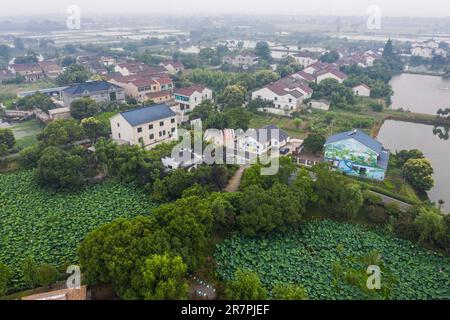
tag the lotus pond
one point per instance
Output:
(48, 225)
(307, 257)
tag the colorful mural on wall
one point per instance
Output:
(354, 158)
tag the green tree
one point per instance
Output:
(29, 156)
(29, 271)
(262, 50)
(46, 275)
(418, 172)
(164, 278)
(430, 226)
(61, 132)
(246, 285)
(314, 142)
(59, 169)
(84, 108)
(233, 96)
(5, 277)
(330, 57)
(289, 292)
(94, 128)
(7, 138)
(405, 155)
(74, 73)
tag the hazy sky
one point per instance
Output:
(438, 8)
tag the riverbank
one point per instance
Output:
(419, 118)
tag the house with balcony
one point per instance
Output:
(186, 99)
(357, 154)
(146, 126)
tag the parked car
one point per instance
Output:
(284, 151)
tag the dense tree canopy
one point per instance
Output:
(246, 285)
(419, 173)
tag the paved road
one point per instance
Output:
(386, 200)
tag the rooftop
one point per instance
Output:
(90, 86)
(147, 114)
(359, 136)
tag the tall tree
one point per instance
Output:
(246, 285)
(164, 278)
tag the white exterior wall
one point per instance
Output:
(305, 61)
(319, 105)
(329, 75)
(286, 102)
(361, 91)
(122, 131)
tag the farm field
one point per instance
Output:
(48, 226)
(307, 257)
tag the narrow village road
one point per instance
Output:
(235, 181)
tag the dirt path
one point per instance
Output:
(235, 181)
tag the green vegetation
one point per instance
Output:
(307, 257)
(48, 225)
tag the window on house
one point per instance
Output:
(120, 136)
(139, 130)
(152, 136)
(172, 121)
(160, 134)
(150, 127)
(161, 124)
(118, 124)
(141, 140)
(276, 99)
(173, 129)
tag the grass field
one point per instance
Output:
(48, 225)
(16, 88)
(26, 132)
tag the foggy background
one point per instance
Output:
(397, 8)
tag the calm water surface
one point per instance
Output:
(397, 135)
(420, 93)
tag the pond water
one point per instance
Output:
(398, 135)
(420, 93)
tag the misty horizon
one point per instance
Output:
(434, 8)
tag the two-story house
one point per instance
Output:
(243, 61)
(32, 72)
(186, 99)
(147, 126)
(100, 91)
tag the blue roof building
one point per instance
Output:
(147, 126)
(100, 91)
(357, 154)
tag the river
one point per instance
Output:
(420, 93)
(398, 135)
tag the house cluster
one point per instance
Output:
(32, 72)
(289, 93)
(241, 60)
(143, 82)
(363, 60)
(286, 94)
(427, 49)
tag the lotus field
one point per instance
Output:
(48, 226)
(307, 257)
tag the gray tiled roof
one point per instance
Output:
(91, 86)
(360, 136)
(148, 114)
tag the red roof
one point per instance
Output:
(158, 94)
(164, 80)
(187, 92)
(26, 67)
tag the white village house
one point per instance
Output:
(362, 90)
(286, 94)
(147, 126)
(186, 99)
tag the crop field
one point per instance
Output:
(48, 225)
(307, 257)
